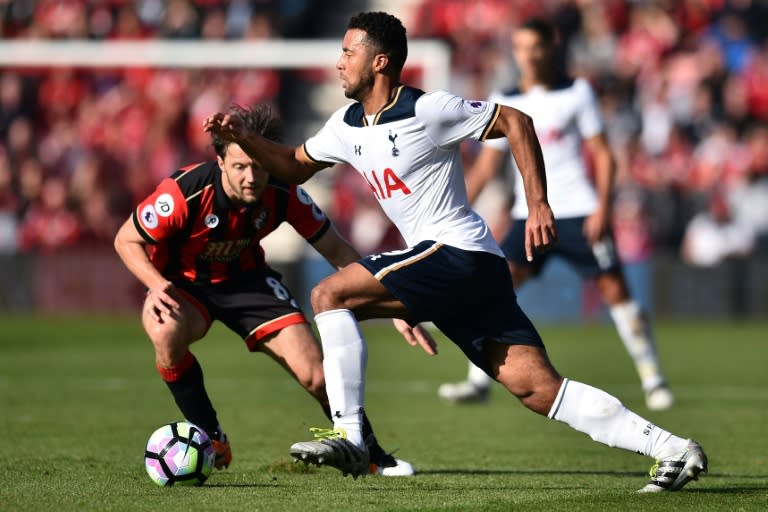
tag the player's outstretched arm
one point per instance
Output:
(482, 171)
(518, 129)
(286, 163)
(130, 246)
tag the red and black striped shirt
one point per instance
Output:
(196, 233)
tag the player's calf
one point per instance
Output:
(526, 372)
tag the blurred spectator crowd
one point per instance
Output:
(79, 147)
(683, 86)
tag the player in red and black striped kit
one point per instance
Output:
(195, 244)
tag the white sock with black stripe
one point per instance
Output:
(345, 356)
(603, 418)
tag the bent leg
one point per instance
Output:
(476, 386)
(177, 366)
(354, 288)
(296, 349)
(339, 301)
(528, 374)
(171, 337)
(476, 376)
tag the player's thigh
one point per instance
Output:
(256, 306)
(498, 321)
(179, 329)
(355, 288)
(297, 350)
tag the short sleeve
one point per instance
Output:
(588, 118)
(326, 147)
(500, 144)
(305, 216)
(162, 214)
(450, 119)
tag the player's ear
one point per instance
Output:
(220, 161)
(380, 61)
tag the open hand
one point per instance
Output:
(159, 303)
(230, 126)
(416, 336)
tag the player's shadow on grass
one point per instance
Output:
(633, 474)
(244, 485)
(731, 490)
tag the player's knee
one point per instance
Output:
(326, 296)
(168, 343)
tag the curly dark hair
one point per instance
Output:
(259, 119)
(542, 28)
(385, 34)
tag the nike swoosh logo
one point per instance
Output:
(192, 432)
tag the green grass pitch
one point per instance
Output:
(79, 398)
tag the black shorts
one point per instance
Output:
(572, 246)
(467, 294)
(254, 305)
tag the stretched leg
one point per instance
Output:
(180, 369)
(635, 332)
(477, 385)
(296, 349)
(528, 374)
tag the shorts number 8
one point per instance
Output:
(278, 289)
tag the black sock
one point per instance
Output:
(189, 392)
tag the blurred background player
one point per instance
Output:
(203, 226)
(567, 117)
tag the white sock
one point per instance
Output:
(603, 418)
(478, 377)
(635, 332)
(345, 356)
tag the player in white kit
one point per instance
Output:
(405, 143)
(567, 118)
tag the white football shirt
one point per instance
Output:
(409, 155)
(563, 117)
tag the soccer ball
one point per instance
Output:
(179, 453)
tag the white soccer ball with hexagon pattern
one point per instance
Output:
(179, 453)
